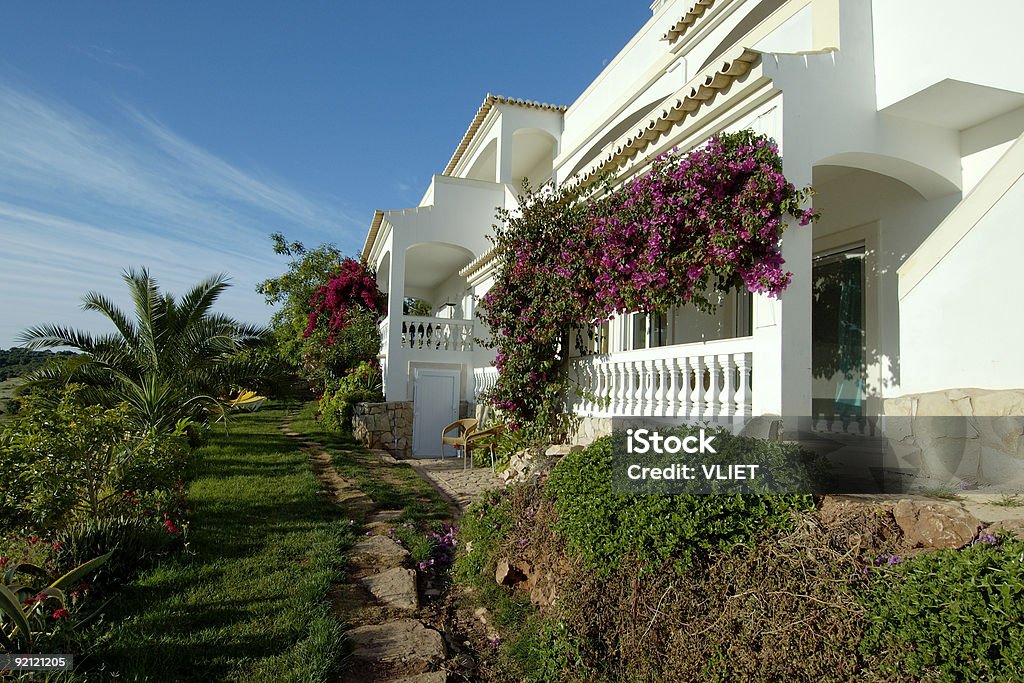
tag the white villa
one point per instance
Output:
(906, 116)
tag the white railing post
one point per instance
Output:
(743, 395)
(672, 406)
(711, 397)
(728, 394)
(697, 392)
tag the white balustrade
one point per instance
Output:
(484, 380)
(422, 333)
(688, 380)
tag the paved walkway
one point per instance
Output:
(464, 487)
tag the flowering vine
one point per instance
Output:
(352, 287)
(695, 225)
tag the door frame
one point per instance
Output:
(865, 235)
(456, 376)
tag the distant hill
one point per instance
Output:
(15, 362)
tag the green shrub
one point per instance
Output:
(954, 615)
(37, 607)
(360, 384)
(71, 460)
(603, 527)
(134, 543)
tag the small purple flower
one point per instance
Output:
(495, 641)
(987, 537)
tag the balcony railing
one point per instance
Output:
(484, 380)
(421, 333)
(688, 380)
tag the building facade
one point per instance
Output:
(904, 115)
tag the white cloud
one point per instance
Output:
(80, 201)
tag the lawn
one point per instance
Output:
(391, 487)
(249, 601)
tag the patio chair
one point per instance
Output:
(246, 400)
(483, 438)
(463, 429)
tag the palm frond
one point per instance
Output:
(146, 298)
(94, 301)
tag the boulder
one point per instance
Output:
(934, 525)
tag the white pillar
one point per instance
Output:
(781, 374)
(397, 380)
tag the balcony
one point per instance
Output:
(709, 379)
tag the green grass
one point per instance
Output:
(249, 603)
(391, 487)
(1008, 501)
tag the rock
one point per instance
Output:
(377, 551)
(933, 525)
(432, 677)
(402, 646)
(560, 450)
(507, 574)
(394, 587)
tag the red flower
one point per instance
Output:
(4, 560)
(60, 613)
(57, 545)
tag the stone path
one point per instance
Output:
(388, 642)
(461, 486)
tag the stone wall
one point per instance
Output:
(387, 426)
(975, 435)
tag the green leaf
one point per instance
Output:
(78, 572)
(25, 568)
(11, 606)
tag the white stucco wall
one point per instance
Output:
(960, 323)
(918, 43)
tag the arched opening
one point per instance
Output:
(532, 156)
(870, 222)
(485, 167)
(432, 276)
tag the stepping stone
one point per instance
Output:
(432, 677)
(396, 648)
(394, 587)
(378, 551)
(385, 516)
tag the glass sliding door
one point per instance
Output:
(838, 346)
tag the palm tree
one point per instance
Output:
(168, 363)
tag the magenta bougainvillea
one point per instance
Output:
(695, 224)
(352, 286)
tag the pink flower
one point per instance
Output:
(60, 613)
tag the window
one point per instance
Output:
(650, 330)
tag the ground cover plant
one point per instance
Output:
(721, 588)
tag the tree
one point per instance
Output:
(329, 311)
(167, 363)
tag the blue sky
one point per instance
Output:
(179, 135)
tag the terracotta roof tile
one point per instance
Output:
(474, 126)
(695, 12)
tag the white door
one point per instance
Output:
(435, 405)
